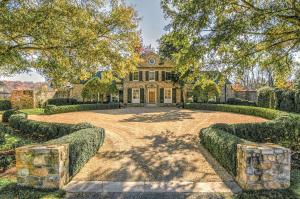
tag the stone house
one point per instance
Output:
(151, 85)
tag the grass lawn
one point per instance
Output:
(9, 189)
(34, 111)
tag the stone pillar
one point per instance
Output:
(43, 166)
(263, 166)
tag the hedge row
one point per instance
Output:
(83, 144)
(52, 109)
(43, 131)
(62, 101)
(238, 101)
(221, 139)
(223, 146)
(4, 105)
(246, 110)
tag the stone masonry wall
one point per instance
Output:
(45, 166)
(263, 166)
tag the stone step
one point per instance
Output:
(229, 187)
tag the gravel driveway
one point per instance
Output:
(151, 144)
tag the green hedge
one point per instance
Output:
(222, 145)
(282, 129)
(4, 105)
(62, 101)
(83, 145)
(43, 131)
(7, 114)
(51, 109)
(246, 110)
(238, 101)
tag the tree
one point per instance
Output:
(97, 88)
(67, 40)
(233, 35)
(206, 90)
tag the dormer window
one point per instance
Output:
(151, 61)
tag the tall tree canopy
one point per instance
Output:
(67, 40)
(233, 35)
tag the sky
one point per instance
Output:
(152, 25)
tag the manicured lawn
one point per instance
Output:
(9, 189)
(34, 111)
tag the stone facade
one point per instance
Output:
(263, 166)
(151, 84)
(45, 166)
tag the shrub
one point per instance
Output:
(285, 100)
(222, 145)
(82, 107)
(6, 115)
(4, 105)
(238, 101)
(83, 144)
(44, 131)
(61, 101)
(266, 97)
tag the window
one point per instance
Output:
(151, 76)
(135, 95)
(151, 61)
(168, 95)
(168, 76)
(135, 76)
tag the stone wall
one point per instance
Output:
(263, 166)
(45, 166)
(246, 95)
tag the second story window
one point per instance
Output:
(135, 76)
(151, 76)
(168, 76)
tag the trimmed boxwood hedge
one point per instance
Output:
(246, 110)
(44, 131)
(83, 144)
(283, 129)
(222, 145)
(62, 101)
(52, 109)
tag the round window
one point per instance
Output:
(151, 61)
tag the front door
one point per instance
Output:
(152, 97)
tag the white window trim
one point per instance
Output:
(168, 101)
(136, 101)
(137, 77)
(152, 80)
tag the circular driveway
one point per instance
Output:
(151, 144)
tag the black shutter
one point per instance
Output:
(141, 76)
(142, 95)
(162, 95)
(156, 76)
(121, 96)
(130, 77)
(163, 76)
(129, 95)
(174, 95)
(147, 75)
